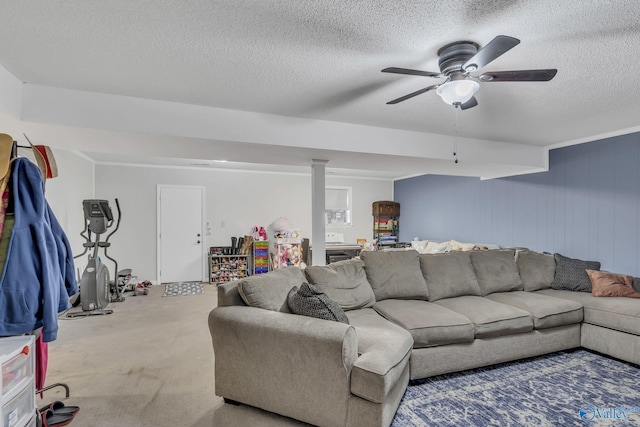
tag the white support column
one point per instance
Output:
(318, 255)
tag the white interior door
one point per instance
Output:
(180, 236)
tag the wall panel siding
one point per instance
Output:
(586, 206)
(626, 206)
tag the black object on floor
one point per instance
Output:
(59, 408)
(51, 419)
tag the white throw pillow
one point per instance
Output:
(419, 245)
(457, 246)
(437, 248)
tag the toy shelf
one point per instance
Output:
(286, 252)
(227, 268)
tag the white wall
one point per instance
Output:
(236, 201)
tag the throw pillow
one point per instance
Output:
(437, 248)
(419, 245)
(537, 270)
(311, 301)
(571, 274)
(449, 275)
(636, 283)
(454, 245)
(269, 291)
(345, 282)
(395, 274)
(496, 271)
(605, 284)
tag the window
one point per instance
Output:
(337, 205)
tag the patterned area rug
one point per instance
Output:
(183, 288)
(572, 388)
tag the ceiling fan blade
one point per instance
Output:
(397, 70)
(519, 76)
(472, 102)
(491, 51)
(412, 94)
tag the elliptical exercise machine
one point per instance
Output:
(96, 288)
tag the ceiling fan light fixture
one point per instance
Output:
(457, 91)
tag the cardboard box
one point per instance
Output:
(386, 208)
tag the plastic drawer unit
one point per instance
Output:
(17, 363)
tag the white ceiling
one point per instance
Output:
(318, 60)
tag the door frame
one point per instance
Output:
(159, 188)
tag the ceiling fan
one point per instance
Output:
(458, 60)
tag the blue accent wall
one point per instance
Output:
(586, 206)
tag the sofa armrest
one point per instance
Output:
(228, 294)
(293, 365)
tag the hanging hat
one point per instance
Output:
(42, 163)
(49, 159)
(6, 146)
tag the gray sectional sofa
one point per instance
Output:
(411, 316)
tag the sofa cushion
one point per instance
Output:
(490, 318)
(345, 282)
(496, 271)
(605, 284)
(547, 312)
(449, 275)
(571, 274)
(310, 301)
(537, 270)
(395, 274)
(384, 350)
(621, 314)
(429, 324)
(269, 291)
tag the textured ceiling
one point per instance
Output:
(322, 59)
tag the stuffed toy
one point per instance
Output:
(258, 234)
(280, 224)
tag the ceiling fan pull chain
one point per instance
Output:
(455, 136)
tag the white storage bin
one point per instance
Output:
(17, 381)
(16, 368)
(19, 410)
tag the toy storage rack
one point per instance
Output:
(226, 268)
(282, 247)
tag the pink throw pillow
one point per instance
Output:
(605, 284)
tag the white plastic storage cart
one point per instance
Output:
(18, 389)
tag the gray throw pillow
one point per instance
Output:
(496, 271)
(571, 274)
(269, 291)
(636, 283)
(311, 301)
(537, 270)
(345, 282)
(449, 275)
(395, 274)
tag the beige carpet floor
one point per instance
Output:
(150, 363)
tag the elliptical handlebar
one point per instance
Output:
(117, 296)
(86, 232)
(117, 223)
(85, 237)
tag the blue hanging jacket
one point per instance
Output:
(68, 284)
(38, 278)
